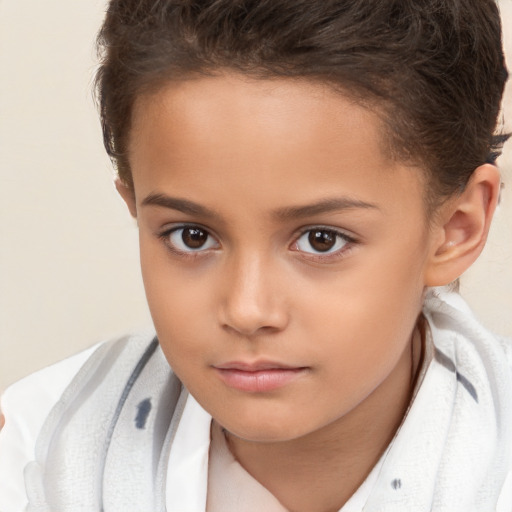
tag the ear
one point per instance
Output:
(460, 232)
(128, 196)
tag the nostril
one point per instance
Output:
(249, 332)
(252, 322)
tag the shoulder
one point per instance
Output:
(36, 391)
(28, 401)
(26, 406)
(481, 360)
(449, 311)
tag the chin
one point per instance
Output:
(265, 432)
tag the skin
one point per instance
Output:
(241, 158)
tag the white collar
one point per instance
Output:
(187, 473)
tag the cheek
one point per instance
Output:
(178, 301)
(377, 285)
(368, 312)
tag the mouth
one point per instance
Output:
(258, 377)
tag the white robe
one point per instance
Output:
(452, 452)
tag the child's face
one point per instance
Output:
(276, 235)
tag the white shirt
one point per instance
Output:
(453, 451)
(27, 403)
(25, 406)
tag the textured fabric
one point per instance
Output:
(452, 452)
(26, 405)
(109, 404)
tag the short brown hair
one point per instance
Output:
(436, 67)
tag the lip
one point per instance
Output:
(254, 366)
(259, 376)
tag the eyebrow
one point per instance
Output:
(181, 205)
(328, 205)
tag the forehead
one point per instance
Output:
(281, 137)
(277, 110)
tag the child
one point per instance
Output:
(306, 177)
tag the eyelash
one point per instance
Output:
(191, 254)
(340, 253)
(350, 242)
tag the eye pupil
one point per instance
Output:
(194, 238)
(322, 240)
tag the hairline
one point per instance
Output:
(378, 106)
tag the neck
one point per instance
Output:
(338, 457)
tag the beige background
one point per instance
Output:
(68, 255)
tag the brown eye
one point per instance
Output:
(194, 238)
(322, 240)
(187, 239)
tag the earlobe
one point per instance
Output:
(461, 232)
(128, 196)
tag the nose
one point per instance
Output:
(253, 301)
